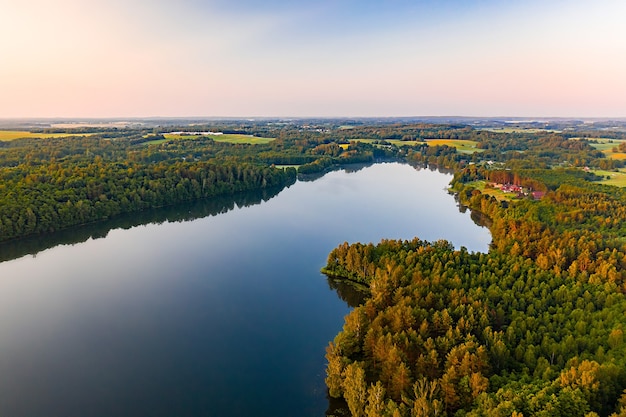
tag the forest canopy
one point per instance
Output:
(534, 327)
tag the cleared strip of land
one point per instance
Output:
(463, 146)
(9, 135)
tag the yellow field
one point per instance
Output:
(464, 146)
(8, 135)
(607, 145)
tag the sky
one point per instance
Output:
(324, 58)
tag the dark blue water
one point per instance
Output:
(225, 315)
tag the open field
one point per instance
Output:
(603, 144)
(617, 178)
(252, 140)
(286, 166)
(8, 135)
(494, 192)
(463, 146)
(615, 155)
(606, 146)
(155, 142)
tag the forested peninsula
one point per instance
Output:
(534, 327)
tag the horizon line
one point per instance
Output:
(339, 117)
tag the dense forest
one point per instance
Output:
(534, 327)
(52, 183)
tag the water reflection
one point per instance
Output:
(224, 315)
(179, 213)
(481, 219)
(354, 294)
(348, 168)
(171, 214)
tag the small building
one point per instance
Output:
(538, 195)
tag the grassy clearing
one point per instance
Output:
(252, 140)
(9, 135)
(617, 178)
(603, 144)
(286, 166)
(155, 142)
(494, 192)
(606, 146)
(463, 146)
(398, 142)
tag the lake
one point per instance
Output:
(210, 309)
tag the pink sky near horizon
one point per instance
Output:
(112, 59)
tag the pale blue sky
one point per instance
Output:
(121, 58)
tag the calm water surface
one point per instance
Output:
(225, 315)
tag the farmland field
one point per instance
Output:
(8, 135)
(463, 146)
(606, 146)
(617, 178)
(615, 155)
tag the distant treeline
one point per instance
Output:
(51, 184)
